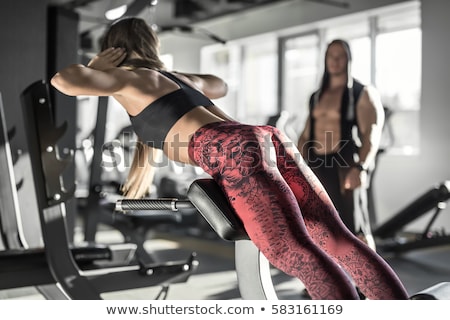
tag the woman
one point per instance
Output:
(283, 207)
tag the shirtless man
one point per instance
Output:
(342, 161)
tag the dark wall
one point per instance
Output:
(36, 41)
(23, 37)
(23, 56)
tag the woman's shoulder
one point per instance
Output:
(139, 76)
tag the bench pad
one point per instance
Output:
(210, 201)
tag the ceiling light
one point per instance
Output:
(116, 13)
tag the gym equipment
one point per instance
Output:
(19, 265)
(9, 203)
(440, 291)
(74, 276)
(252, 268)
(390, 234)
(99, 209)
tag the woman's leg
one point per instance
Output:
(237, 157)
(371, 273)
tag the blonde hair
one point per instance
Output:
(142, 171)
(136, 36)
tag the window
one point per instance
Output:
(386, 51)
(398, 77)
(259, 81)
(225, 62)
(300, 77)
(250, 69)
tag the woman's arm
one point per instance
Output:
(212, 86)
(99, 78)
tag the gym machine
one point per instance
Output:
(20, 266)
(74, 273)
(97, 208)
(252, 268)
(390, 235)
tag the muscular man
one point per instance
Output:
(341, 137)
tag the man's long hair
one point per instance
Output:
(325, 83)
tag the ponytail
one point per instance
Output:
(141, 174)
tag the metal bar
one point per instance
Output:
(152, 204)
(417, 208)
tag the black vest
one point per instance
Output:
(348, 118)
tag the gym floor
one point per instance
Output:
(215, 278)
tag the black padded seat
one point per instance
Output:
(210, 201)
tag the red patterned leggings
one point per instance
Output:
(287, 213)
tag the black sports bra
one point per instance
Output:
(154, 122)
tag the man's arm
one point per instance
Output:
(303, 139)
(370, 119)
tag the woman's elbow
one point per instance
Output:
(58, 82)
(69, 79)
